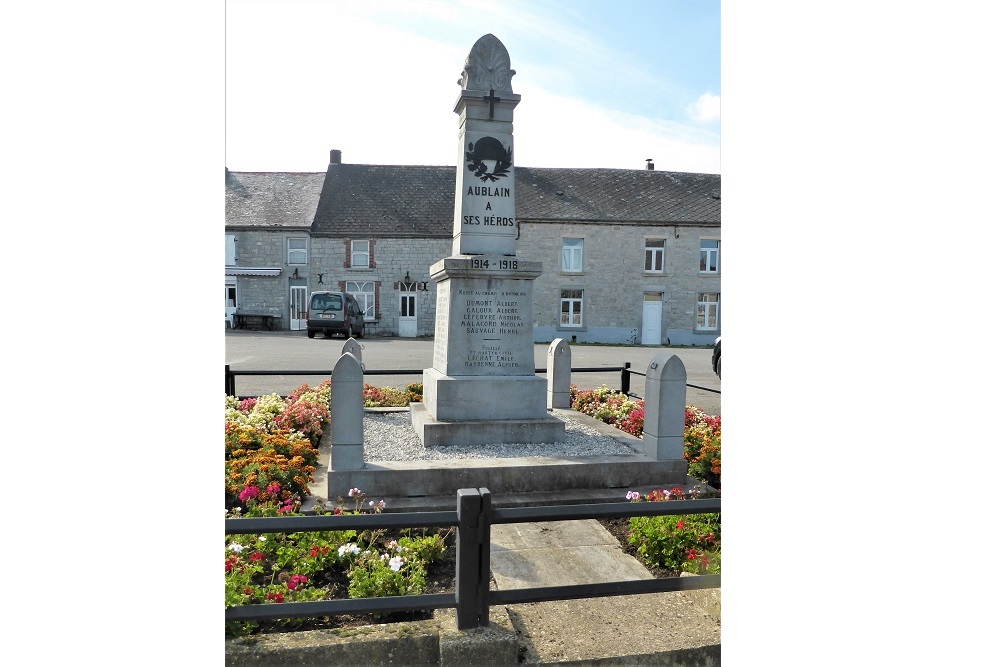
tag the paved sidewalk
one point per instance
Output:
(679, 628)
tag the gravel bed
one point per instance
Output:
(389, 436)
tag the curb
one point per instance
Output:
(432, 642)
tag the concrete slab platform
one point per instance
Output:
(654, 628)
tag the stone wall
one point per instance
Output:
(613, 280)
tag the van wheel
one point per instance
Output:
(311, 333)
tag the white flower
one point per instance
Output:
(236, 548)
(262, 538)
(348, 548)
(395, 563)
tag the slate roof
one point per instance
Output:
(617, 195)
(272, 199)
(419, 201)
(386, 201)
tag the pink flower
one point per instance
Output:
(274, 488)
(248, 493)
(295, 580)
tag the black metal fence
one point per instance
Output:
(474, 516)
(625, 371)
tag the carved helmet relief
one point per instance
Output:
(487, 67)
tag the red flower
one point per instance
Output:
(277, 597)
(248, 591)
(256, 556)
(691, 554)
(337, 511)
(313, 552)
(295, 580)
(680, 524)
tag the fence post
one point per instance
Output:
(347, 411)
(484, 557)
(354, 348)
(468, 558)
(557, 369)
(230, 382)
(626, 377)
(663, 425)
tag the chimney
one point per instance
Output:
(335, 156)
(649, 164)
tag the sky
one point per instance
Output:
(602, 83)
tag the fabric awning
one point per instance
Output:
(251, 271)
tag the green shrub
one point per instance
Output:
(681, 543)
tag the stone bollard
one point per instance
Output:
(347, 412)
(353, 347)
(663, 425)
(557, 370)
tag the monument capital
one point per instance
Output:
(487, 67)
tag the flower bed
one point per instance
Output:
(702, 431)
(272, 452)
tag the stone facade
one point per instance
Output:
(614, 281)
(393, 260)
(406, 214)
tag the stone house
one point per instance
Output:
(628, 256)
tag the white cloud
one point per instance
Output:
(705, 109)
(289, 102)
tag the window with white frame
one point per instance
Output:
(360, 254)
(572, 255)
(709, 256)
(364, 292)
(230, 250)
(571, 308)
(297, 251)
(654, 256)
(708, 312)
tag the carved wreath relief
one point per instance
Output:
(488, 160)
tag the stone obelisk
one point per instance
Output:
(482, 387)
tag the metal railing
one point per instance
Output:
(625, 369)
(473, 517)
(231, 374)
(627, 374)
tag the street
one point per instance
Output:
(293, 350)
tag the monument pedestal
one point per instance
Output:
(482, 388)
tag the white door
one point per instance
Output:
(652, 313)
(297, 310)
(408, 314)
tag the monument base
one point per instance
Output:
(435, 433)
(484, 397)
